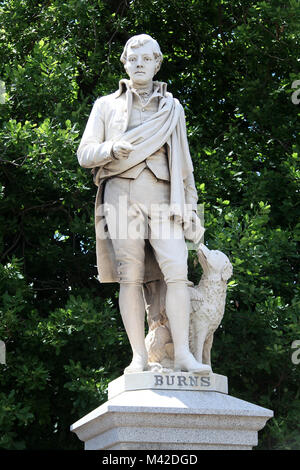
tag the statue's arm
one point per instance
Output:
(93, 149)
(191, 195)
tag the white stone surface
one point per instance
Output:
(132, 135)
(150, 411)
(168, 381)
(207, 306)
(170, 420)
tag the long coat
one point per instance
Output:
(108, 123)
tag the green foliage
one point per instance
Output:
(232, 65)
(58, 367)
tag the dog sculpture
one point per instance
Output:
(207, 310)
(208, 301)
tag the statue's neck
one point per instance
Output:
(142, 89)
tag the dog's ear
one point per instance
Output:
(227, 271)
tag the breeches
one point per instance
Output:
(137, 210)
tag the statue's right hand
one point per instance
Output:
(121, 149)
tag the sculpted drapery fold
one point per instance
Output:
(108, 122)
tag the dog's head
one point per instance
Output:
(214, 262)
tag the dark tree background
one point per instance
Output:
(232, 64)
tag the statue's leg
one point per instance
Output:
(129, 251)
(132, 309)
(130, 262)
(207, 349)
(177, 309)
(199, 343)
(171, 253)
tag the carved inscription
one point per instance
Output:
(182, 380)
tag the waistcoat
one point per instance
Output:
(158, 161)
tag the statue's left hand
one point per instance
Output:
(192, 227)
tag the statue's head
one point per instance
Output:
(142, 58)
(214, 261)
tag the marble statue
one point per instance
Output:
(136, 145)
(135, 142)
(206, 313)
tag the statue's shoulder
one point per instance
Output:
(105, 102)
(107, 98)
(176, 101)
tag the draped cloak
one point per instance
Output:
(166, 126)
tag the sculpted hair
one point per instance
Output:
(140, 40)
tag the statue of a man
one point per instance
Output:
(135, 140)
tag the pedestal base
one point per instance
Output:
(170, 420)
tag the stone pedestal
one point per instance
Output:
(171, 411)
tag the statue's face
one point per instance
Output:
(141, 64)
